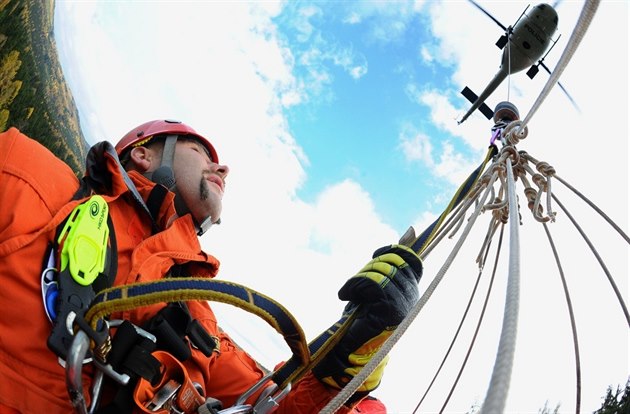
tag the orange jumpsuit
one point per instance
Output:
(35, 189)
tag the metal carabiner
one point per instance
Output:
(74, 366)
(267, 403)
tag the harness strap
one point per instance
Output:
(174, 327)
(131, 354)
(155, 199)
(127, 297)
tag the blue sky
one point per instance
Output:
(338, 120)
(336, 127)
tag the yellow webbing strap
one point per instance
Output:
(127, 297)
(293, 370)
(423, 240)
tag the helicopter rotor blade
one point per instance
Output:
(575, 105)
(474, 3)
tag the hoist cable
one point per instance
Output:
(501, 375)
(509, 59)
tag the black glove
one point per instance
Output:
(383, 293)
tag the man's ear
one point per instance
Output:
(142, 158)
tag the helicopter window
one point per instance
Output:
(526, 45)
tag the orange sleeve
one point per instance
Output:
(309, 396)
(227, 374)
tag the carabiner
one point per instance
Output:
(74, 365)
(267, 403)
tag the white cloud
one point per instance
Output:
(426, 55)
(302, 21)
(416, 146)
(352, 18)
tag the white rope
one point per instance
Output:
(350, 388)
(588, 11)
(501, 375)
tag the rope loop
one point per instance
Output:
(520, 171)
(501, 214)
(540, 181)
(530, 194)
(512, 135)
(499, 169)
(512, 153)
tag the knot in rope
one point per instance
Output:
(545, 168)
(519, 171)
(501, 214)
(512, 153)
(499, 169)
(512, 135)
(530, 194)
(540, 181)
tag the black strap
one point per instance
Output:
(155, 200)
(173, 326)
(131, 354)
(170, 333)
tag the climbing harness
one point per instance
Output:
(183, 395)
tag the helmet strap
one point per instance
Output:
(165, 176)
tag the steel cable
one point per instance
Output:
(599, 259)
(576, 348)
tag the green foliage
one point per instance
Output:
(616, 402)
(34, 96)
(4, 117)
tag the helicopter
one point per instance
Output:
(523, 46)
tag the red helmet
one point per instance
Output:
(162, 127)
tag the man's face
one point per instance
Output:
(200, 181)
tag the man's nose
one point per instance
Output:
(221, 170)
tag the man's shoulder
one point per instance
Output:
(30, 162)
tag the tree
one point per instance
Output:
(616, 402)
(547, 410)
(4, 117)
